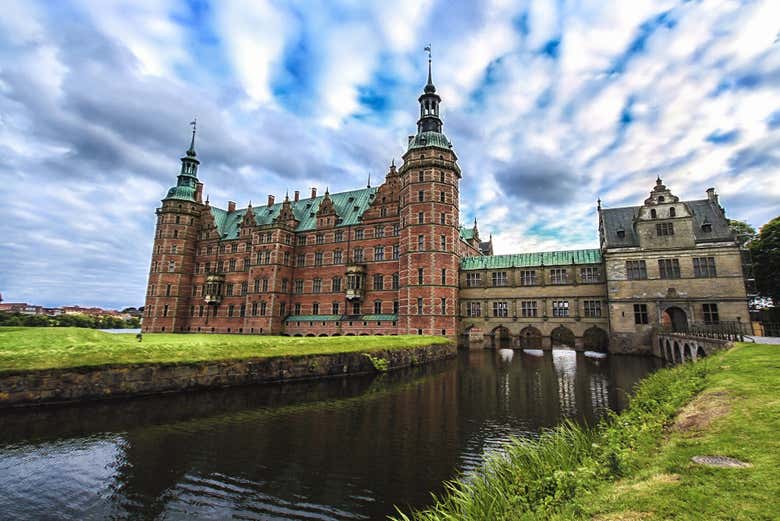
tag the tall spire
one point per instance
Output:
(429, 87)
(191, 150)
(429, 104)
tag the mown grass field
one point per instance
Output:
(637, 465)
(23, 348)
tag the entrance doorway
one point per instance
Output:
(674, 319)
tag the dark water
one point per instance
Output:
(348, 448)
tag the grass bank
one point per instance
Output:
(637, 465)
(24, 348)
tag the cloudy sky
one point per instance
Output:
(550, 105)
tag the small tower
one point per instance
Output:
(429, 262)
(170, 277)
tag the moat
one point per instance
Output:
(348, 448)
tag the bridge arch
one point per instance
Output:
(700, 353)
(530, 338)
(562, 336)
(676, 352)
(501, 337)
(595, 339)
(687, 356)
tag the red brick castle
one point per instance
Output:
(377, 260)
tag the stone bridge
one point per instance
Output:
(682, 347)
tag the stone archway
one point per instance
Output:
(562, 336)
(700, 353)
(687, 355)
(595, 339)
(676, 353)
(674, 319)
(502, 338)
(530, 338)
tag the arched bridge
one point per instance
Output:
(695, 342)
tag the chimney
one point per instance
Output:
(270, 200)
(297, 195)
(231, 206)
(313, 192)
(712, 196)
(199, 192)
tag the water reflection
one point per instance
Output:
(336, 449)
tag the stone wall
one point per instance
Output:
(24, 388)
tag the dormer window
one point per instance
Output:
(672, 212)
(706, 227)
(660, 198)
(621, 233)
(653, 214)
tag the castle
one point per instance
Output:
(394, 259)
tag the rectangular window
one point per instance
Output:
(396, 251)
(499, 278)
(301, 240)
(473, 280)
(315, 308)
(419, 306)
(257, 286)
(318, 258)
(335, 284)
(284, 284)
(231, 310)
(379, 231)
(338, 236)
(243, 288)
(396, 281)
(420, 273)
(379, 282)
(263, 308)
(590, 274)
(379, 253)
(528, 308)
(592, 308)
(165, 310)
(421, 196)
(316, 286)
(337, 257)
(443, 276)
(299, 286)
(421, 242)
(559, 276)
(167, 290)
(229, 290)
(297, 309)
(301, 259)
(282, 308)
(500, 309)
(443, 305)
(669, 268)
(320, 238)
(441, 197)
(420, 218)
(265, 285)
(704, 267)
(357, 255)
(710, 313)
(636, 270)
(242, 310)
(396, 230)
(395, 307)
(560, 308)
(640, 314)
(335, 308)
(378, 307)
(286, 257)
(442, 219)
(528, 277)
(254, 309)
(474, 309)
(359, 234)
(443, 242)
(662, 229)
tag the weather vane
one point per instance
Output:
(194, 124)
(428, 50)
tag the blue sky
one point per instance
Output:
(550, 105)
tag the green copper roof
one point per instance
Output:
(349, 207)
(466, 233)
(429, 139)
(340, 318)
(185, 193)
(524, 260)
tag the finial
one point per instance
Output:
(475, 222)
(392, 163)
(369, 181)
(191, 151)
(287, 195)
(598, 201)
(327, 191)
(658, 180)
(207, 199)
(429, 86)
(250, 203)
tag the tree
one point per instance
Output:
(744, 232)
(765, 250)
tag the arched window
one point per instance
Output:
(653, 213)
(672, 212)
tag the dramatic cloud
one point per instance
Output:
(549, 107)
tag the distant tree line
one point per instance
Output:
(69, 320)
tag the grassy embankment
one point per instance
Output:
(24, 348)
(637, 465)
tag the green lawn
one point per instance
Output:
(737, 415)
(49, 347)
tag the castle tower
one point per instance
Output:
(429, 261)
(169, 289)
